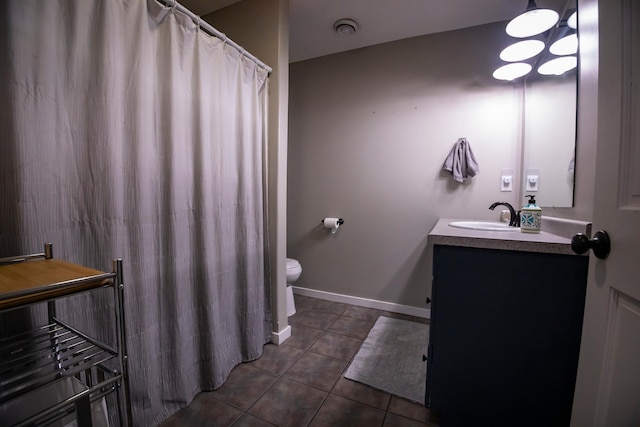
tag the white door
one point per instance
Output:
(608, 383)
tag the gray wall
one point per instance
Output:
(369, 131)
(262, 27)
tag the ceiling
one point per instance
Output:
(379, 21)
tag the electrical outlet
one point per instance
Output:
(532, 182)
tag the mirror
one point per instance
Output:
(549, 129)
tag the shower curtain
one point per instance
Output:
(127, 132)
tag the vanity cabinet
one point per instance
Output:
(505, 336)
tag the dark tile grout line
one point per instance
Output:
(329, 392)
(292, 379)
(341, 374)
(372, 322)
(308, 349)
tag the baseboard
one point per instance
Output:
(364, 302)
(278, 338)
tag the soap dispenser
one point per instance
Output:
(531, 217)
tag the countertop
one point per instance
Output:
(443, 234)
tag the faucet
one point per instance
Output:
(514, 221)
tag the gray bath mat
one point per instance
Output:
(390, 359)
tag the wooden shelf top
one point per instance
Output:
(28, 282)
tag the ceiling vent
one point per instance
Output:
(345, 27)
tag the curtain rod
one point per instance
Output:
(205, 26)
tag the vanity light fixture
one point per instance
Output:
(568, 45)
(345, 27)
(512, 71)
(558, 66)
(562, 40)
(522, 50)
(532, 21)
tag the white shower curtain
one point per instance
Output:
(127, 132)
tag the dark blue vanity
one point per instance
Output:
(506, 323)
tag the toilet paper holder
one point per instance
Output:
(340, 221)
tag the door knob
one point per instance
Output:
(600, 244)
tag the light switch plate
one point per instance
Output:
(506, 183)
(532, 182)
(506, 179)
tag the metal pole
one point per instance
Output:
(51, 311)
(118, 288)
(204, 25)
(48, 250)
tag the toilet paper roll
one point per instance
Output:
(331, 224)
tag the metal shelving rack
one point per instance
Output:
(54, 353)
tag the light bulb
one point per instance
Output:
(558, 66)
(521, 50)
(532, 22)
(572, 22)
(512, 71)
(568, 45)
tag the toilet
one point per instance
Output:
(294, 269)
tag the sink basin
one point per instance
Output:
(483, 225)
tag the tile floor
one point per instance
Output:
(300, 382)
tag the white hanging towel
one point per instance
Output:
(461, 162)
